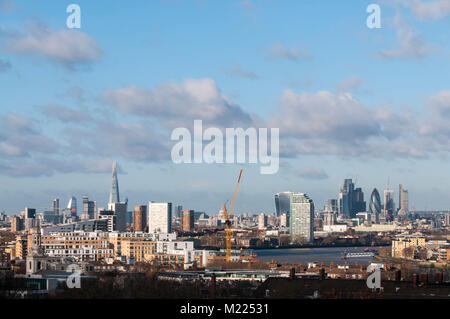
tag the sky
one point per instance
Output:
(349, 101)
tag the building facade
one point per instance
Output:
(140, 218)
(187, 220)
(301, 219)
(159, 217)
(375, 206)
(282, 203)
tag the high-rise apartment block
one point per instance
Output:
(262, 221)
(302, 219)
(403, 201)
(159, 217)
(140, 217)
(187, 220)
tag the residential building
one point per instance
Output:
(159, 217)
(301, 219)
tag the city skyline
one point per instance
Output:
(238, 157)
(89, 208)
(114, 89)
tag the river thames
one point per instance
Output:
(317, 255)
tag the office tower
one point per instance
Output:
(284, 220)
(140, 217)
(359, 205)
(346, 199)
(187, 220)
(85, 213)
(332, 206)
(159, 217)
(375, 206)
(178, 209)
(344, 208)
(30, 212)
(55, 206)
(29, 218)
(389, 205)
(302, 219)
(403, 201)
(49, 217)
(89, 208)
(16, 224)
(111, 218)
(120, 211)
(114, 193)
(282, 203)
(129, 218)
(351, 200)
(72, 206)
(262, 221)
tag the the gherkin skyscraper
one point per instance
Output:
(375, 204)
(114, 194)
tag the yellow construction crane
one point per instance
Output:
(228, 217)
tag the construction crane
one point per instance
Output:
(228, 218)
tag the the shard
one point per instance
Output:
(114, 194)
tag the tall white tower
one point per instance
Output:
(114, 194)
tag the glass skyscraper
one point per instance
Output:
(403, 201)
(375, 206)
(283, 203)
(351, 200)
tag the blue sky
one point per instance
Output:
(350, 102)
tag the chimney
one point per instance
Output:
(398, 275)
(322, 274)
(439, 278)
(415, 280)
(424, 279)
(213, 287)
(292, 273)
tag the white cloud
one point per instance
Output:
(324, 123)
(178, 103)
(435, 129)
(349, 85)
(427, 10)
(66, 114)
(324, 115)
(19, 137)
(237, 71)
(411, 44)
(319, 123)
(134, 140)
(293, 54)
(71, 48)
